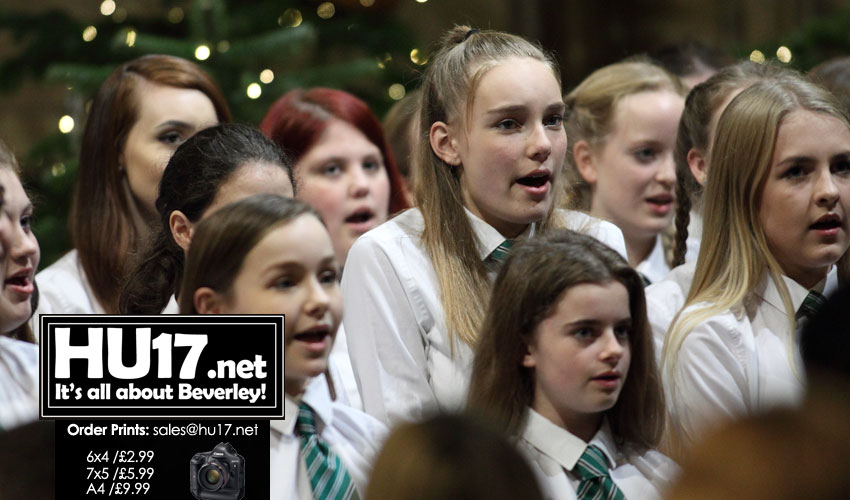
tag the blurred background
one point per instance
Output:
(55, 53)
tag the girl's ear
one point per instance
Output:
(697, 162)
(208, 301)
(529, 360)
(181, 229)
(444, 144)
(585, 161)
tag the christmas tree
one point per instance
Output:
(256, 51)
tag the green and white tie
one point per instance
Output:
(813, 303)
(596, 483)
(501, 253)
(328, 477)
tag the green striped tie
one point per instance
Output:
(328, 477)
(501, 253)
(595, 482)
(813, 302)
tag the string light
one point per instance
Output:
(266, 76)
(421, 1)
(417, 57)
(107, 7)
(66, 124)
(396, 91)
(783, 54)
(89, 33)
(175, 15)
(326, 10)
(202, 52)
(367, 3)
(290, 17)
(57, 169)
(131, 38)
(254, 91)
(384, 60)
(757, 56)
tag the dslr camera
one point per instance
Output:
(218, 474)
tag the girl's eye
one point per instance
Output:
(331, 170)
(583, 333)
(372, 165)
(507, 124)
(645, 155)
(553, 121)
(622, 332)
(171, 138)
(841, 166)
(27, 221)
(284, 283)
(329, 277)
(794, 172)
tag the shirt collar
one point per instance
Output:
(316, 395)
(561, 445)
(796, 291)
(488, 237)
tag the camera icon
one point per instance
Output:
(218, 474)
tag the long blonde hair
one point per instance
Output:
(591, 107)
(448, 91)
(733, 262)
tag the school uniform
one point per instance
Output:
(694, 239)
(654, 267)
(64, 289)
(18, 382)
(740, 362)
(404, 363)
(554, 454)
(666, 298)
(353, 436)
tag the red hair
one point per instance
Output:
(297, 120)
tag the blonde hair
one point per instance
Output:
(591, 107)
(449, 86)
(702, 103)
(733, 262)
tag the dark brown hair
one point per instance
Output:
(102, 230)
(526, 291)
(223, 239)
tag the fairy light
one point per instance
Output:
(396, 91)
(783, 54)
(266, 76)
(254, 91)
(66, 124)
(202, 52)
(290, 18)
(130, 40)
(367, 3)
(417, 57)
(57, 169)
(175, 15)
(757, 56)
(89, 33)
(107, 7)
(326, 10)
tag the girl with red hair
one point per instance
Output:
(343, 165)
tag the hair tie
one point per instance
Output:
(470, 33)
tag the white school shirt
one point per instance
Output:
(64, 289)
(404, 364)
(666, 298)
(654, 266)
(553, 453)
(354, 436)
(694, 237)
(737, 363)
(18, 382)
